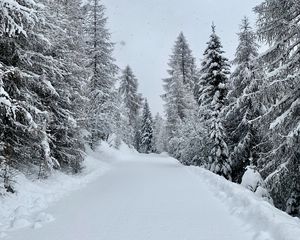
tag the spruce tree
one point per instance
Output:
(279, 160)
(69, 45)
(66, 144)
(123, 131)
(101, 89)
(176, 103)
(243, 107)
(14, 22)
(42, 52)
(183, 60)
(179, 86)
(214, 78)
(24, 124)
(132, 103)
(42, 78)
(146, 130)
(192, 140)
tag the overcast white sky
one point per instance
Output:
(145, 31)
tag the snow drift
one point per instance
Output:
(253, 210)
(25, 208)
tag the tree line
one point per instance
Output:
(229, 116)
(60, 90)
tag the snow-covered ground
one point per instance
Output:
(123, 195)
(27, 207)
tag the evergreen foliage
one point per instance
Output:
(132, 101)
(58, 92)
(147, 145)
(42, 80)
(244, 107)
(179, 87)
(213, 92)
(101, 90)
(279, 163)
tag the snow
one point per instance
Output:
(15, 15)
(149, 197)
(4, 97)
(26, 207)
(251, 179)
(50, 87)
(281, 118)
(268, 222)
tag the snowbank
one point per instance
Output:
(253, 210)
(25, 208)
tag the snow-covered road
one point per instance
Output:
(142, 197)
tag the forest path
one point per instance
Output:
(142, 197)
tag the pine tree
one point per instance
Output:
(66, 144)
(24, 121)
(192, 140)
(179, 86)
(177, 102)
(243, 107)
(183, 60)
(124, 133)
(15, 20)
(69, 45)
(146, 130)
(39, 129)
(279, 161)
(101, 87)
(245, 56)
(132, 103)
(214, 77)
(42, 76)
(6, 117)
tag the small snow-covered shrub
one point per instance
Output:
(253, 181)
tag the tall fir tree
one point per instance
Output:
(70, 46)
(25, 52)
(38, 130)
(132, 102)
(146, 130)
(66, 144)
(183, 59)
(101, 87)
(244, 106)
(214, 80)
(279, 161)
(122, 130)
(179, 86)
(16, 119)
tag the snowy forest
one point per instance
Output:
(62, 92)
